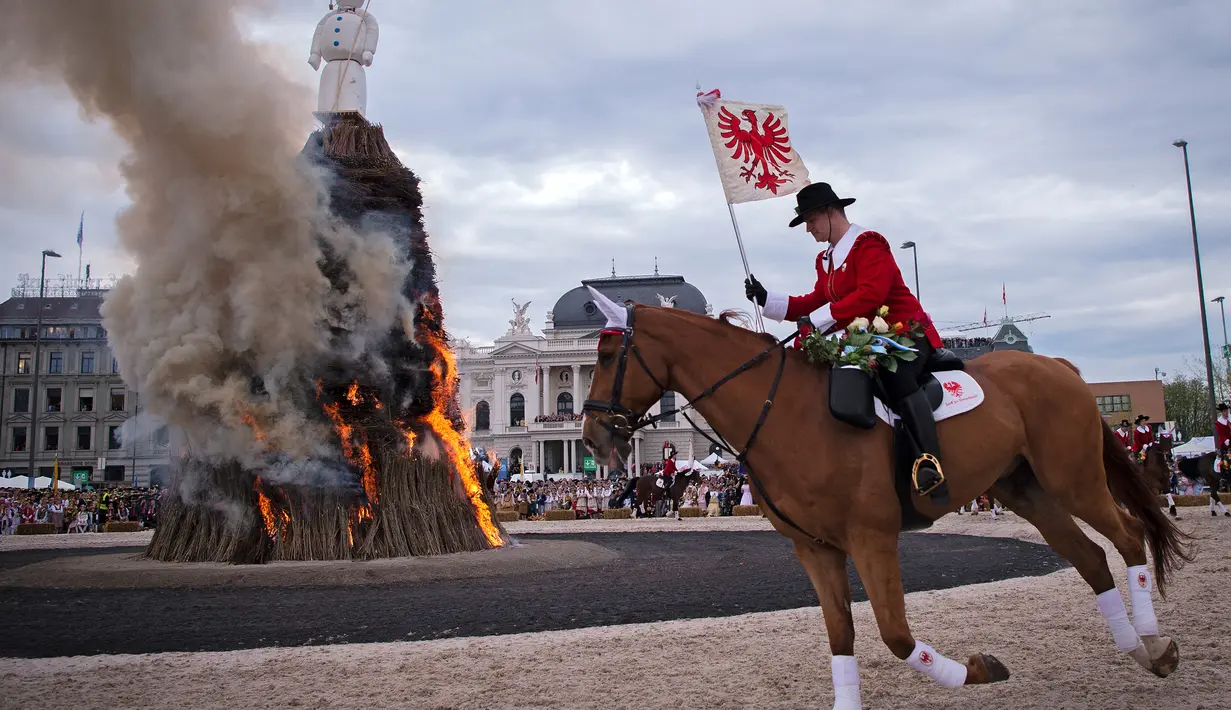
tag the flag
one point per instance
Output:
(1003, 297)
(87, 272)
(81, 230)
(752, 147)
(985, 315)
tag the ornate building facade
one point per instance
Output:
(82, 401)
(523, 393)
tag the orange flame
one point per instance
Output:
(360, 456)
(275, 521)
(248, 419)
(456, 446)
(353, 395)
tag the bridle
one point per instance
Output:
(621, 422)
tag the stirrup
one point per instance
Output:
(914, 474)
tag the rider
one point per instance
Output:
(1142, 436)
(1222, 432)
(857, 275)
(668, 471)
(1124, 434)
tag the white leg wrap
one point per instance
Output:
(1211, 504)
(846, 683)
(1140, 583)
(1221, 508)
(945, 671)
(1170, 499)
(1111, 606)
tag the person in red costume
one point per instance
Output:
(1142, 436)
(855, 276)
(1124, 434)
(1222, 431)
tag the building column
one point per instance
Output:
(636, 466)
(577, 388)
(569, 453)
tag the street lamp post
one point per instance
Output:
(1226, 349)
(1205, 329)
(32, 440)
(914, 252)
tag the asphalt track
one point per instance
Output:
(654, 577)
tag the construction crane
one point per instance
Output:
(977, 325)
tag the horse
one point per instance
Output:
(1157, 467)
(649, 494)
(1037, 441)
(1202, 467)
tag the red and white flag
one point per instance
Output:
(752, 146)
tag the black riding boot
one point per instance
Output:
(916, 413)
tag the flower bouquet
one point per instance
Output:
(868, 345)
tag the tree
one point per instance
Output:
(1187, 397)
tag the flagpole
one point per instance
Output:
(756, 308)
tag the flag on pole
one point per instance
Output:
(753, 149)
(1003, 297)
(81, 230)
(985, 315)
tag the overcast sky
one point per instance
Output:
(1024, 143)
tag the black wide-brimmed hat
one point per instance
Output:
(1223, 407)
(1142, 418)
(816, 196)
(1123, 422)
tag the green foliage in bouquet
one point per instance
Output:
(868, 345)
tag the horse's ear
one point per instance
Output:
(617, 315)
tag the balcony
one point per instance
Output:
(555, 427)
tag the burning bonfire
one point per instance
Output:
(398, 477)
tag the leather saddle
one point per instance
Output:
(851, 400)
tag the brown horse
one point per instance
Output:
(1202, 468)
(649, 494)
(1037, 442)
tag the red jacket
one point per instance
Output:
(1125, 438)
(854, 278)
(1222, 433)
(668, 467)
(1142, 439)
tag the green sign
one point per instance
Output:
(588, 465)
(80, 477)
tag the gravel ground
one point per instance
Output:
(1045, 629)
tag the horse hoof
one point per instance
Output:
(985, 668)
(1165, 663)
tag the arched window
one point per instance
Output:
(564, 403)
(515, 461)
(666, 404)
(517, 410)
(482, 416)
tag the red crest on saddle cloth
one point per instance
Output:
(752, 146)
(953, 388)
(1142, 580)
(925, 658)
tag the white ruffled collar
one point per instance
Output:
(836, 255)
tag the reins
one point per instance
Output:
(625, 429)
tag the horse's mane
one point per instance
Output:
(744, 323)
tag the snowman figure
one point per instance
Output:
(346, 40)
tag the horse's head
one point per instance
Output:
(628, 380)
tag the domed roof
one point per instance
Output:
(575, 309)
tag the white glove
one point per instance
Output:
(314, 59)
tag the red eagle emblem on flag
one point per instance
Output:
(953, 388)
(1142, 580)
(766, 147)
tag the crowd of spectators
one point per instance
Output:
(570, 417)
(965, 343)
(717, 493)
(77, 511)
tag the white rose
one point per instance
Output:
(879, 325)
(858, 324)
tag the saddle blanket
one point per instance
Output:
(962, 394)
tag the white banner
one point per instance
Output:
(752, 146)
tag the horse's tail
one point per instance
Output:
(1169, 546)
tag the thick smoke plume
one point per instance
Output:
(228, 313)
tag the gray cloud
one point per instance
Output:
(1020, 143)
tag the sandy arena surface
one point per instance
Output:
(1045, 629)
